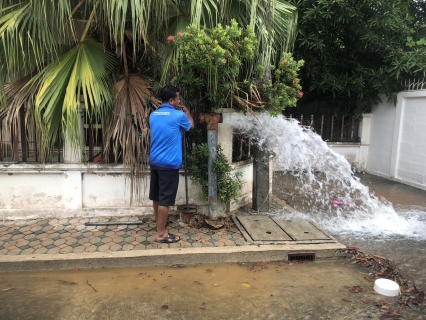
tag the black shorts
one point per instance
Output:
(163, 186)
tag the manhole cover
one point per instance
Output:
(300, 229)
(262, 228)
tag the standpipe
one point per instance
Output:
(212, 120)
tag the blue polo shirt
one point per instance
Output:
(166, 137)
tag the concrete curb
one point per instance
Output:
(170, 256)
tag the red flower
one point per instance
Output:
(301, 94)
(179, 34)
(170, 39)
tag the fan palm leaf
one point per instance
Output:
(127, 134)
(83, 71)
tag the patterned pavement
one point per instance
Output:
(70, 235)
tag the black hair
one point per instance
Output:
(168, 92)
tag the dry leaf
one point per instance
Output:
(164, 306)
(355, 289)
(246, 285)
(209, 270)
(346, 299)
(215, 284)
(8, 289)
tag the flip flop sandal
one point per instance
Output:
(170, 238)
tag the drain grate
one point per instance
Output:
(305, 256)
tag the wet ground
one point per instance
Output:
(408, 253)
(310, 290)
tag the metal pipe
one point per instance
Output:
(186, 170)
(212, 143)
(212, 120)
(112, 223)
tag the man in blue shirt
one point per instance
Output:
(166, 156)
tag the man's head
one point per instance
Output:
(170, 95)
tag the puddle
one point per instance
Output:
(309, 290)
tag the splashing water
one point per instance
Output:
(316, 176)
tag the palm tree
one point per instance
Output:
(55, 54)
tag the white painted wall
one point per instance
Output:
(34, 190)
(381, 137)
(398, 139)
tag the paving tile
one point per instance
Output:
(219, 244)
(197, 245)
(65, 235)
(36, 228)
(103, 247)
(128, 239)
(28, 251)
(6, 237)
(26, 228)
(71, 241)
(95, 240)
(48, 242)
(139, 247)
(208, 244)
(3, 251)
(185, 244)
(53, 250)
(128, 247)
(50, 246)
(174, 245)
(118, 239)
(30, 236)
(116, 247)
(40, 251)
(14, 251)
(83, 241)
(78, 249)
(87, 234)
(66, 250)
(62, 246)
(47, 228)
(18, 236)
(57, 242)
(34, 243)
(87, 245)
(98, 244)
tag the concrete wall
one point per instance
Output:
(34, 190)
(398, 139)
(381, 137)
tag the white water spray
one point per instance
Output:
(316, 175)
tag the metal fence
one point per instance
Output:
(330, 128)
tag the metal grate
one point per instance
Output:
(305, 256)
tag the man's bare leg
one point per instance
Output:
(161, 217)
(155, 206)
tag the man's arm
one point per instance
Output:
(188, 114)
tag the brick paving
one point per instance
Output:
(71, 235)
